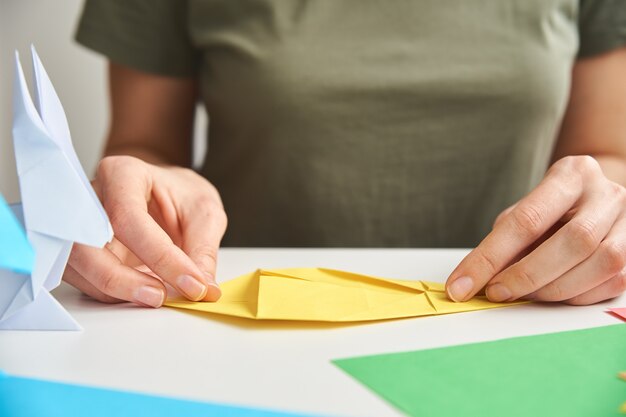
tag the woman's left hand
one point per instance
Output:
(565, 241)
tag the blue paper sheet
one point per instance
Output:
(26, 397)
(16, 253)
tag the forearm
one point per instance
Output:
(595, 121)
(151, 116)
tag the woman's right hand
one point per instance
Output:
(168, 223)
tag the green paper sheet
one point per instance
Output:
(560, 374)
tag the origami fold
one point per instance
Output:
(326, 295)
(59, 206)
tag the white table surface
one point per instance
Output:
(273, 365)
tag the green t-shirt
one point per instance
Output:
(361, 122)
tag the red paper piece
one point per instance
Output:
(618, 312)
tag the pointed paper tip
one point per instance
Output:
(19, 71)
(34, 54)
(18, 67)
(19, 88)
(16, 74)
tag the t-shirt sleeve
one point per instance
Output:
(148, 35)
(602, 26)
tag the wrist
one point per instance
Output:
(148, 155)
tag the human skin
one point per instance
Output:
(565, 241)
(168, 220)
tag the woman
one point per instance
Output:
(364, 123)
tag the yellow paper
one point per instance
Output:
(317, 294)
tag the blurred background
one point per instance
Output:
(78, 75)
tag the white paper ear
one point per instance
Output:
(27, 125)
(49, 106)
(57, 197)
(55, 121)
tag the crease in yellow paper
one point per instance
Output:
(326, 295)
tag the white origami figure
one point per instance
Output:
(59, 205)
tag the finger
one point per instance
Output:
(203, 229)
(606, 262)
(527, 222)
(525, 252)
(102, 269)
(612, 288)
(76, 280)
(569, 246)
(125, 201)
(123, 254)
(503, 214)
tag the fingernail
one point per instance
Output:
(193, 289)
(149, 296)
(460, 288)
(498, 293)
(214, 292)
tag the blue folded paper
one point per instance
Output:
(26, 397)
(16, 253)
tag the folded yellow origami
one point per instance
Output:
(317, 294)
